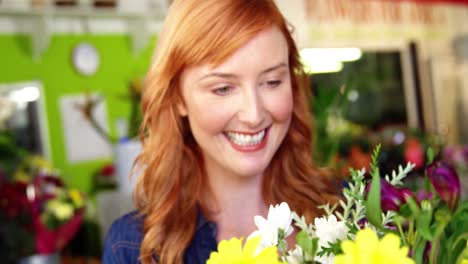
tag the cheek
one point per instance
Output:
(207, 119)
(281, 106)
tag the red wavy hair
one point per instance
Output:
(169, 189)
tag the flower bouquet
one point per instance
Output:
(38, 214)
(377, 221)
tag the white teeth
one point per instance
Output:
(246, 140)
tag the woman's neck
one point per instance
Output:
(234, 203)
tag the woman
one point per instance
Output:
(226, 133)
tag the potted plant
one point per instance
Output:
(127, 146)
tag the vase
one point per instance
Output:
(125, 153)
(41, 259)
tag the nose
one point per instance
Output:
(252, 111)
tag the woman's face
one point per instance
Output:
(239, 112)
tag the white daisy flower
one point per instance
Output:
(295, 256)
(276, 226)
(329, 230)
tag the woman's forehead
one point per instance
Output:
(265, 51)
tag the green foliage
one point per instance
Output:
(325, 146)
(454, 237)
(432, 232)
(10, 154)
(354, 196)
(333, 248)
(309, 245)
(430, 155)
(373, 207)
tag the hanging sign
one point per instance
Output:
(330, 20)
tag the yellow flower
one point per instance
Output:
(22, 176)
(76, 198)
(39, 162)
(32, 164)
(368, 249)
(230, 252)
(61, 210)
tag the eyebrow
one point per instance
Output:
(231, 76)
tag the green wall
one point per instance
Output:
(54, 69)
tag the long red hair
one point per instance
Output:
(169, 189)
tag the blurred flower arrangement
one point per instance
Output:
(377, 221)
(341, 143)
(399, 146)
(38, 214)
(37, 205)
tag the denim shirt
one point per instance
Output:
(123, 241)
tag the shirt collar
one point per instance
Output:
(202, 221)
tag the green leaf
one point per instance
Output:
(423, 222)
(413, 206)
(373, 207)
(314, 247)
(306, 243)
(418, 251)
(352, 228)
(454, 236)
(333, 248)
(430, 155)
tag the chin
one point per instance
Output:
(251, 170)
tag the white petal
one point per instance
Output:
(271, 212)
(260, 222)
(285, 215)
(289, 231)
(255, 233)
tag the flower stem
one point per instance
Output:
(435, 242)
(411, 233)
(101, 130)
(402, 235)
(282, 247)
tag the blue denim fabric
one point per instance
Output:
(122, 243)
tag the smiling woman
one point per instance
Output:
(253, 96)
(226, 132)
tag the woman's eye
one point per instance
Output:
(222, 90)
(273, 83)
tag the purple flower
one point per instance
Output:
(362, 223)
(423, 195)
(390, 196)
(407, 194)
(446, 182)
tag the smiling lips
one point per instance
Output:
(247, 142)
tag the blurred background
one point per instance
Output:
(389, 72)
